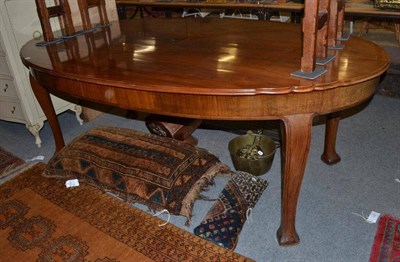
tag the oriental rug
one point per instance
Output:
(9, 164)
(42, 220)
(386, 247)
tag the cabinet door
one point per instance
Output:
(11, 111)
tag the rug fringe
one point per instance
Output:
(201, 185)
(5, 177)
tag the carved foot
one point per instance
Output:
(287, 239)
(35, 129)
(78, 112)
(330, 158)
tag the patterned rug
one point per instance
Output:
(386, 247)
(42, 220)
(9, 164)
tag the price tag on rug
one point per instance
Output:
(72, 183)
(35, 158)
(373, 217)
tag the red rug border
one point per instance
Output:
(380, 232)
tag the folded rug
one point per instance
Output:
(226, 218)
(386, 247)
(160, 172)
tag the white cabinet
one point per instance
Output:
(19, 23)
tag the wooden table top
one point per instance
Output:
(177, 56)
(211, 69)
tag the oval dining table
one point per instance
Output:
(214, 69)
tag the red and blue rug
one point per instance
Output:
(386, 247)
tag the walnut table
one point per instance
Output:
(224, 69)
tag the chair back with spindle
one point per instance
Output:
(85, 5)
(336, 21)
(315, 33)
(61, 10)
(322, 28)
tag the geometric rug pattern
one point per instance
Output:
(42, 220)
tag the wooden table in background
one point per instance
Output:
(367, 12)
(221, 69)
(263, 8)
(354, 9)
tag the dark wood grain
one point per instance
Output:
(211, 69)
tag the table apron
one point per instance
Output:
(212, 107)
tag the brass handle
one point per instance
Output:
(13, 110)
(5, 89)
(36, 35)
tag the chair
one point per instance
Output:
(60, 10)
(85, 5)
(336, 21)
(315, 33)
(321, 54)
(322, 29)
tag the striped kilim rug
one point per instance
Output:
(386, 247)
(9, 163)
(42, 220)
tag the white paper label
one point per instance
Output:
(72, 183)
(35, 158)
(373, 217)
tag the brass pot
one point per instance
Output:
(255, 165)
